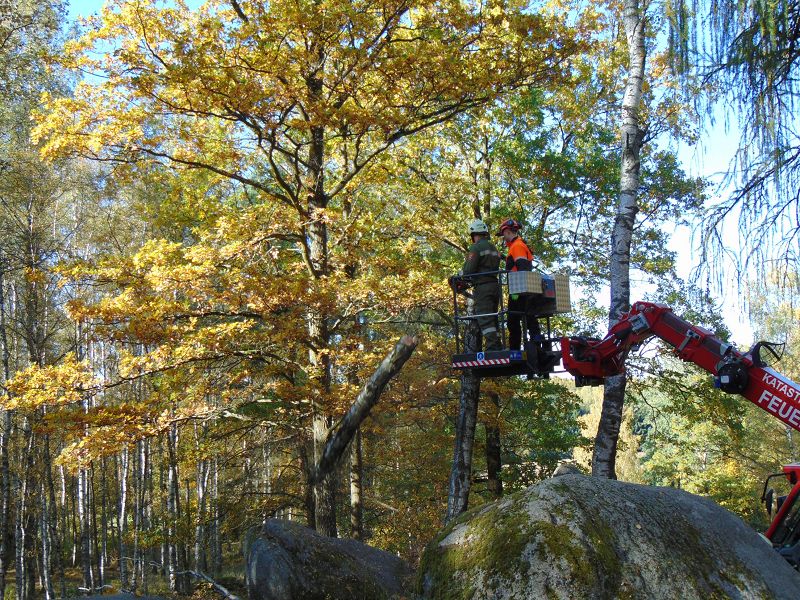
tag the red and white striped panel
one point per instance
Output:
(481, 363)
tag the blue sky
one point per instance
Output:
(84, 8)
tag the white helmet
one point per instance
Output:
(478, 226)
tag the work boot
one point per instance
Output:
(493, 343)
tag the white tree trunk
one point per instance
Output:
(45, 548)
(216, 538)
(201, 530)
(83, 519)
(605, 446)
(5, 433)
(178, 578)
(339, 437)
(122, 515)
(356, 489)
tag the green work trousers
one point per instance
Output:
(486, 297)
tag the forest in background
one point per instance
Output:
(217, 222)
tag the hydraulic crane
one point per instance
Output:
(734, 372)
(591, 360)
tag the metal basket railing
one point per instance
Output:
(461, 284)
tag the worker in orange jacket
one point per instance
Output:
(519, 258)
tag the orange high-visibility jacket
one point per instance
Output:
(519, 256)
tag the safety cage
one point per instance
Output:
(545, 296)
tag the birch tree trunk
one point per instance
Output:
(201, 530)
(493, 457)
(216, 538)
(179, 578)
(493, 442)
(122, 515)
(74, 522)
(339, 437)
(46, 546)
(356, 489)
(25, 533)
(19, 539)
(83, 520)
(5, 434)
(67, 508)
(166, 517)
(461, 471)
(56, 537)
(143, 480)
(50, 542)
(82, 484)
(5, 501)
(103, 554)
(605, 446)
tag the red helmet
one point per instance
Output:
(511, 224)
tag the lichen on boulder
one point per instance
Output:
(585, 537)
(287, 561)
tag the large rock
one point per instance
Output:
(288, 562)
(584, 537)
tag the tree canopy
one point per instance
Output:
(218, 221)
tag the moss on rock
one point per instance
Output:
(580, 537)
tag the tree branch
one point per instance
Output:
(340, 435)
(239, 11)
(217, 586)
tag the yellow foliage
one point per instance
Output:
(68, 382)
(628, 464)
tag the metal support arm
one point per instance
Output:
(734, 372)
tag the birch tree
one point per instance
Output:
(631, 139)
(749, 52)
(25, 30)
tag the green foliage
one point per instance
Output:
(628, 458)
(747, 54)
(702, 440)
(540, 430)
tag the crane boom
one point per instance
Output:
(591, 360)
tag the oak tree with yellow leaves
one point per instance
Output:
(290, 104)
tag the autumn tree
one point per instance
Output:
(293, 103)
(33, 328)
(631, 139)
(548, 159)
(646, 105)
(244, 226)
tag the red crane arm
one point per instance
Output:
(736, 373)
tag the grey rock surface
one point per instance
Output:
(567, 468)
(288, 561)
(583, 537)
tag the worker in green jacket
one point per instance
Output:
(483, 257)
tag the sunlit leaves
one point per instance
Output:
(67, 383)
